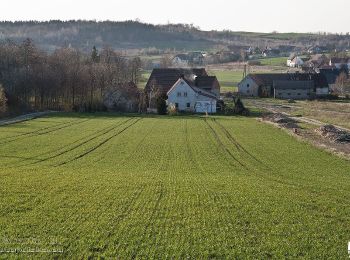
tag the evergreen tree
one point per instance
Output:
(3, 100)
(161, 104)
(94, 55)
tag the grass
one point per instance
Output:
(144, 78)
(276, 61)
(169, 187)
(228, 79)
(335, 112)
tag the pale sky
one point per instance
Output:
(235, 15)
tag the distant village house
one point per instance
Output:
(295, 61)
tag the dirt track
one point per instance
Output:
(24, 118)
(278, 109)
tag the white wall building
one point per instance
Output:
(248, 87)
(296, 62)
(180, 60)
(192, 99)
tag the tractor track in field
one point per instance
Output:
(63, 127)
(223, 146)
(99, 144)
(92, 135)
(49, 130)
(236, 143)
(36, 131)
(37, 157)
(138, 146)
(160, 195)
(106, 131)
(126, 210)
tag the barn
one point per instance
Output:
(284, 85)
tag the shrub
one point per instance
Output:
(239, 107)
(161, 105)
(172, 110)
(3, 101)
(254, 63)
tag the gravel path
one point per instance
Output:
(24, 118)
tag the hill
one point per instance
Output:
(50, 35)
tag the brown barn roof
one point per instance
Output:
(166, 78)
(268, 79)
(206, 81)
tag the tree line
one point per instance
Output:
(66, 79)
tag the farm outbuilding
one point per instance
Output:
(284, 85)
(292, 89)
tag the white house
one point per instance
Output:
(185, 97)
(296, 62)
(181, 60)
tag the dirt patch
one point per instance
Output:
(282, 120)
(337, 148)
(334, 134)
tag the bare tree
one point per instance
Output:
(341, 83)
(64, 79)
(166, 61)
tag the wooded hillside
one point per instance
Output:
(135, 35)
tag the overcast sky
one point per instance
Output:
(236, 15)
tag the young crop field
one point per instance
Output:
(103, 185)
(276, 61)
(228, 79)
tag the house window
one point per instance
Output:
(188, 105)
(248, 85)
(179, 94)
(177, 105)
(185, 94)
(299, 94)
(289, 94)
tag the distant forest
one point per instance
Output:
(83, 35)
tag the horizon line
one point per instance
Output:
(169, 23)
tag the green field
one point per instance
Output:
(228, 79)
(144, 78)
(168, 187)
(277, 61)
